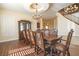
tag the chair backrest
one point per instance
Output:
(53, 32)
(47, 32)
(69, 37)
(24, 34)
(32, 39)
(39, 40)
(28, 34)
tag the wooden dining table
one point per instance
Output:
(52, 40)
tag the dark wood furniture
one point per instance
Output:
(40, 44)
(24, 37)
(29, 37)
(32, 38)
(64, 48)
(23, 25)
(52, 39)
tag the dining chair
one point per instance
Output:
(53, 32)
(46, 32)
(39, 43)
(32, 38)
(52, 45)
(25, 37)
(29, 35)
(64, 48)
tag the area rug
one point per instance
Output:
(24, 51)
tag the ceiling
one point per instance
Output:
(76, 14)
(49, 13)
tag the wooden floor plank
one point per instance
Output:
(6, 46)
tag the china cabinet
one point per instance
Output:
(23, 25)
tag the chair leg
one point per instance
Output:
(36, 50)
(58, 53)
(44, 53)
(68, 53)
(64, 53)
(30, 45)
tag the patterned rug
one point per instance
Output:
(24, 51)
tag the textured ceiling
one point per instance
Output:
(50, 13)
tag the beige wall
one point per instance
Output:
(9, 24)
(0, 27)
(64, 25)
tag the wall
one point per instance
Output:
(64, 25)
(0, 27)
(9, 24)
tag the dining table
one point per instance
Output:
(52, 40)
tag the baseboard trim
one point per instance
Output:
(8, 40)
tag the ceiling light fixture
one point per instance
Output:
(36, 9)
(71, 9)
(36, 15)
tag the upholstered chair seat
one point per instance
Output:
(60, 47)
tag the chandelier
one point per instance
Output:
(36, 14)
(71, 9)
(36, 9)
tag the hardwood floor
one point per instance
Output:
(74, 50)
(6, 46)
